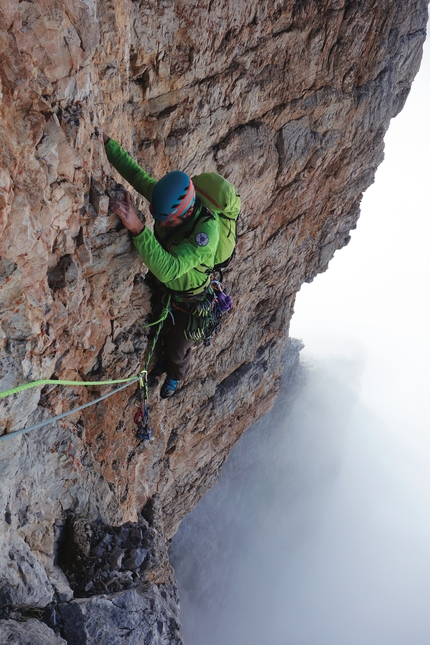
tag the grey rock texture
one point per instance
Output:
(124, 584)
(24, 580)
(132, 617)
(98, 558)
(290, 100)
(28, 632)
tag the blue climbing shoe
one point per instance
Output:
(157, 371)
(168, 388)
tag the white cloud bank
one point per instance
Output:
(319, 531)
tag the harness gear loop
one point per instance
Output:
(204, 312)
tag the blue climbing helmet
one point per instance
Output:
(172, 196)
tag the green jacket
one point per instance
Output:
(180, 258)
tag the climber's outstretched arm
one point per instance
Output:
(141, 181)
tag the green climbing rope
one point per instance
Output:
(46, 422)
(28, 386)
(141, 418)
(127, 381)
(41, 382)
(165, 312)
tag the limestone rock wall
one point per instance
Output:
(289, 99)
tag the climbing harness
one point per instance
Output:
(141, 418)
(204, 312)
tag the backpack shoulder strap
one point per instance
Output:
(204, 215)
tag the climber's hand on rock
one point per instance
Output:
(127, 214)
(105, 138)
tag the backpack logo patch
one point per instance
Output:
(202, 239)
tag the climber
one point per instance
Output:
(180, 253)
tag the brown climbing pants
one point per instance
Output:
(176, 348)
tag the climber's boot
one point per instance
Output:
(168, 388)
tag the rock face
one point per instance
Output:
(134, 617)
(290, 100)
(31, 631)
(123, 582)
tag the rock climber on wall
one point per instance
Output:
(180, 253)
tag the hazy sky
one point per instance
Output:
(374, 297)
(319, 531)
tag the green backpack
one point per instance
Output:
(217, 194)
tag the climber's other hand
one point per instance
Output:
(127, 214)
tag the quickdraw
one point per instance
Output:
(141, 417)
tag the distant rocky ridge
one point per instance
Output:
(290, 100)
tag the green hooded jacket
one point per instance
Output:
(181, 258)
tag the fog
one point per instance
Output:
(318, 532)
